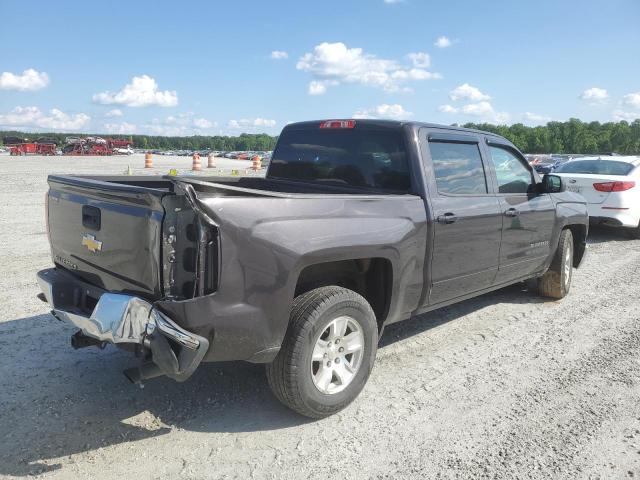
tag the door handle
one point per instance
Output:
(447, 218)
(512, 212)
(91, 217)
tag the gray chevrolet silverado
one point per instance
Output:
(358, 224)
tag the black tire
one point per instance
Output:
(634, 233)
(291, 377)
(556, 282)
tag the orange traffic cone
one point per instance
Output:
(256, 163)
(197, 166)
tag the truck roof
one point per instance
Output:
(375, 123)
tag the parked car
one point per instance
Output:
(356, 226)
(611, 186)
(544, 167)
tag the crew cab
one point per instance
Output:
(358, 224)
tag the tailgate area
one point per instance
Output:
(107, 231)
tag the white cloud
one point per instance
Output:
(467, 92)
(167, 130)
(116, 112)
(632, 100)
(448, 109)
(391, 2)
(251, 123)
(501, 118)
(279, 55)
(202, 123)
(420, 59)
(478, 105)
(33, 117)
(442, 42)
(318, 87)
(534, 118)
(619, 115)
(180, 125)
(480, 109)
(119, 128)
(594, 95)
(29, 80)
(334, 63)
(394, 112)
(141, 92)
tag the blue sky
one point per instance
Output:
(210, 67)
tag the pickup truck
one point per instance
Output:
(357, 224)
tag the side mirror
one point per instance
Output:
(553, 184)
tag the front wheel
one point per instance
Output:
(327, 354)
(556, 282)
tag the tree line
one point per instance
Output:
(245, 141)
(573, 136)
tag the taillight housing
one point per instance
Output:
(614, 186)
(338, 124)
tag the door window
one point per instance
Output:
(458, 168)
(512, 174)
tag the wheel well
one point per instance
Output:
(369, 277)
(579, 233)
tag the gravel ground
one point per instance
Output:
(507, 385)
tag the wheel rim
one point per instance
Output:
(568, 260)
(337, 355)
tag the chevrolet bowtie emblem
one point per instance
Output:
(91, 243)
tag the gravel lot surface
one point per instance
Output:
(507, 385)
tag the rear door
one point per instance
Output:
(529, 217)
(467, 218)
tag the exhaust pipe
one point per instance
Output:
(137, 375)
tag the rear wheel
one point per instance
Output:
(556, 282)
(327, 354)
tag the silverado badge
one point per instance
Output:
(91, 243)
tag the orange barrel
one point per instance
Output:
(256, 163)
(148, 160)
(211, 161)
(197, 166)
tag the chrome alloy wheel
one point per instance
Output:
(337, 355)
(568, 260)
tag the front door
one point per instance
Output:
(467, 218)
(529, 217)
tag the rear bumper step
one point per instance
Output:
(124, 319)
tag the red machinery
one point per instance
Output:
(23, 146)
(95, 146)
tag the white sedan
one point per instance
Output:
(611, 186)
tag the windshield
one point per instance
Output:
(359, 158)
(600, 167)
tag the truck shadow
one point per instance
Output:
(600, 234)
(57, 402)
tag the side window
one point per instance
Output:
(513, 176)
(458, 168)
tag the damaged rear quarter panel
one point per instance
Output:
(266, 242)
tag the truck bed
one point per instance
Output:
(249, 186)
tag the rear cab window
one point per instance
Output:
(368, 158)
